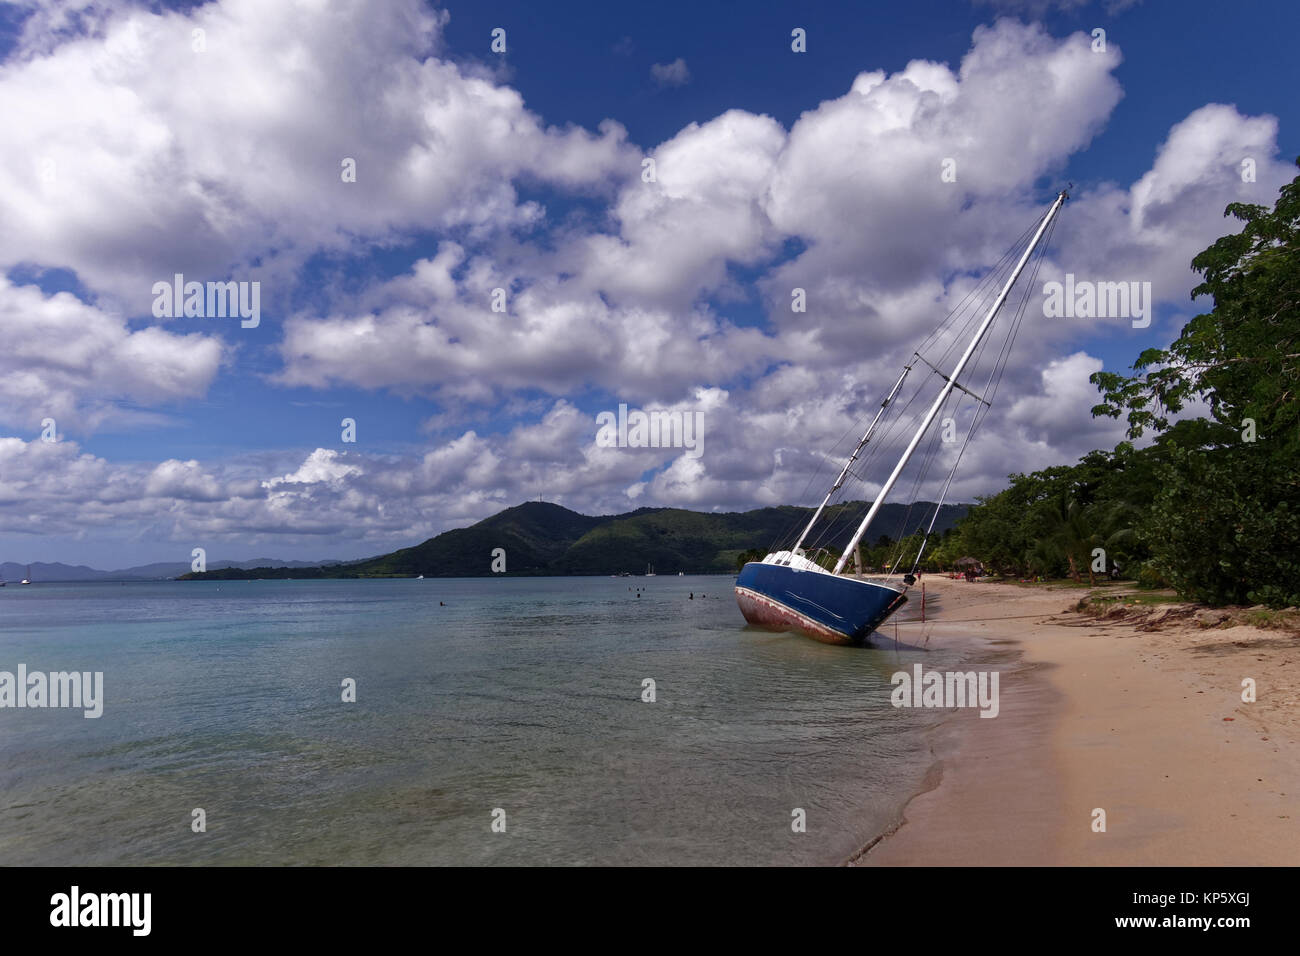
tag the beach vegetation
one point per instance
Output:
(1211, 507)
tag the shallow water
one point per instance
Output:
(523, 695)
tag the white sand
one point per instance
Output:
(1099, 715)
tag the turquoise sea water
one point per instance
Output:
(520, 694)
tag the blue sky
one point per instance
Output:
(478, 169)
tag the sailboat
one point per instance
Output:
(788, 591)
(650, 570)
(28, 579)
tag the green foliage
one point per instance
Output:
(1204, 509)
(1049, 522)
(1243, 357)
(1224, 524)
(1225, 529)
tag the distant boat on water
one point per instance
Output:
(791, 591)
(28, 579)
(650, 571)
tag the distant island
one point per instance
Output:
(55, 572)
(540, 539)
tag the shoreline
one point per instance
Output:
(1147, 725)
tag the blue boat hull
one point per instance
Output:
(826, 607)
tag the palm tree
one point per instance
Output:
(1075, 531)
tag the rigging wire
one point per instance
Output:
(957, 328)
(898, 427)
(995, 378)
(975, 307)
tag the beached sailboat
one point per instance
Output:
(787, 590)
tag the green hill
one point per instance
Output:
(546, 539)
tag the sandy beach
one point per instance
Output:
(1148, 725)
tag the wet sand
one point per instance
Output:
(1099, 715)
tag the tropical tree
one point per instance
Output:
(1224, 525)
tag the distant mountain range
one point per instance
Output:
(539, 538)
(12, 573)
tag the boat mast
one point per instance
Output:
(852, 458)
(951, 381)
